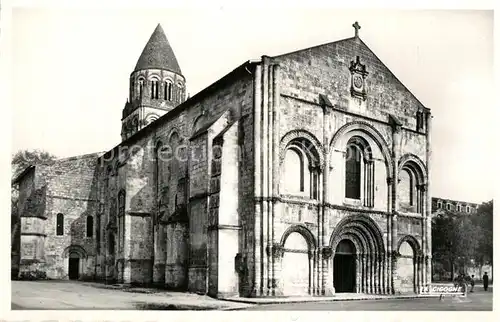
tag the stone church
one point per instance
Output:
(305, 173)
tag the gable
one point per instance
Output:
(325, 69)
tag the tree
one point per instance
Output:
(454, 239)
(483, 219)
(24, 158)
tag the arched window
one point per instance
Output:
(411, 188)
(407, 187)
(135, 125)
(98, 234)
(180, 88)
(294, 171)
(121, 219)
(154, 88)
(60, 225)
(359, 171)
(167, 89)
(90, 226)
(300, 169)
(140, 86)
(353, 174)
(111, 243)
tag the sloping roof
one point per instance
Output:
(361, 42)
(22, 174)
(158, 54)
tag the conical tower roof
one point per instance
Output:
(158, 54)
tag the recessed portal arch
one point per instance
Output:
(76, 256)
(359, 237)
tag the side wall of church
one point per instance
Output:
(159, 189)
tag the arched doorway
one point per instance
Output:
(295, 266)
(405, 270)
(344, 267)
(75, 258)
(73, 266)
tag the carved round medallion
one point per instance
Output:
(358, 81)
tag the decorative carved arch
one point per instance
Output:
(82, 253)
(373, 133)
(168, 79)
(412, 241)
(196, 120)
(416, 165)
(363, 226)
(304, 231)
(158, 143)
(151, 117)
(302, 135)
(173, 131)
(359, 242)
(154, 77)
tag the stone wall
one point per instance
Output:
(67, 187)
(161, 192)
(316, 106)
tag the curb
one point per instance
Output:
(278, 301)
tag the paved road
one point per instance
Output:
(57, 295)
(478, 301)
(71, 295)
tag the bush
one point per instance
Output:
(33, 275)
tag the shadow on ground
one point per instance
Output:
(168, 307)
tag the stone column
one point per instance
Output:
(428, 205)
(383, 268)
(329, 277)
(264, 149)
(277, 254)
(257, 99)
(365, 273)
(310, 288)
(327, 285)
(275, 160)
(396, 134)
(359, 273)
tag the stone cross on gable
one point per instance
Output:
(356, 28)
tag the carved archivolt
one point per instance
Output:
(371, 132)
(413, 162)
(304, 231)
(412, 241)
(313, 145)
(365, 228)
(75, 249)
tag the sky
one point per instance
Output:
(71, 67)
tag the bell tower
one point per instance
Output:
(156, 85)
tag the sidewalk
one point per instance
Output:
(188, 298)
(337, 297)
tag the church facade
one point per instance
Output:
(300, 174)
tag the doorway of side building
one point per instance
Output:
(344, 267)
(74, 266)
